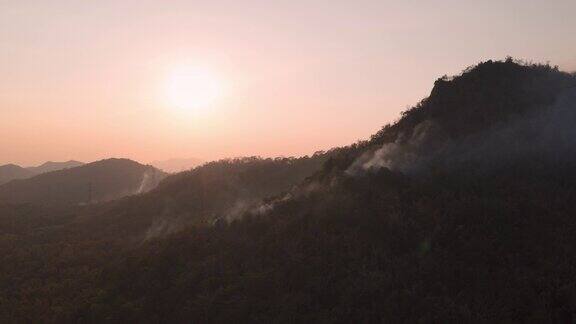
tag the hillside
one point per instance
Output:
(426, 222)
(98, 181)
(461, 211)
(11, 172)
(217, 191)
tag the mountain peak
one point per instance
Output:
(483, 95)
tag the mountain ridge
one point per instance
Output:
(9, 172)
(50, 166)
(97, 181)
(461, 211)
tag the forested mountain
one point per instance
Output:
(9, 172)
(93, 182)
(216, 192)
(54, 166)
(462, 211)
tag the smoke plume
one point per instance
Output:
(548, 132)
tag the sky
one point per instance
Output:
(88, 80)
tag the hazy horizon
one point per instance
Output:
(88, 81)
(287, 161)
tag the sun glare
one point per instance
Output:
(193, 88)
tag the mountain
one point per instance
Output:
(54, 166)
(10, 172)
(98, 181)
(461, 211)
(218, 191)
(177, 165)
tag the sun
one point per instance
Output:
(191, 87)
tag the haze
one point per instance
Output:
(87, 80)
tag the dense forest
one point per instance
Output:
(461, 211)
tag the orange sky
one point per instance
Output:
(86, 80)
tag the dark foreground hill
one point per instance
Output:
(462, 211)
(98, 181)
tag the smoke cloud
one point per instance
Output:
(547, 132)
(406, 151)
(149, 181)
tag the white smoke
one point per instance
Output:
(242, 207)
(143, 183)
(162, 227)
(239, 207)
(150, 180)
(549, 131)
(171, 219)
(404, 152)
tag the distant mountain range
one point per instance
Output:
(11, 172)
(93, 182)
(54, 166)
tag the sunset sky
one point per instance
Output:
(88, 80)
